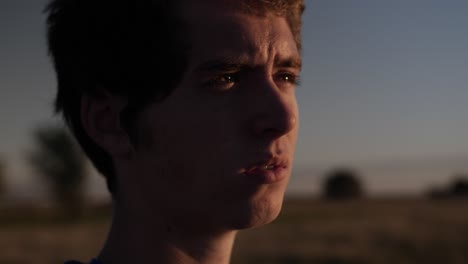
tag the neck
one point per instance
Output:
(148, 240)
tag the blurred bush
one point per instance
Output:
(2, 177)
(342, 183)
(60, 162)
(458, 188)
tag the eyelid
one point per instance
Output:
(223, 81)
(234, 76)
(293, 78)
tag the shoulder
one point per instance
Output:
(93, 261)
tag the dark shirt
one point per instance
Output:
(93, 261)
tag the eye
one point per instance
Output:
(228, 78)
(224, 81)
(287, 78)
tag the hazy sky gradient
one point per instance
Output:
(384, 88)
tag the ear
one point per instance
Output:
(100, 116)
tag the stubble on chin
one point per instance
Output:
(258, 212)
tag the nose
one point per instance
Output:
(276, 112)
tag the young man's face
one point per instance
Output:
(219, 150)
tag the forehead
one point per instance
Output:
(258, 7)
(221, 28)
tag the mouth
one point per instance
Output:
(268, 171)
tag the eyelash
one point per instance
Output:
(227, 80)
(289, 78)
(224, 81)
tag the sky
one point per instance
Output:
(384, 91)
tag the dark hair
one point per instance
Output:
(115, 45)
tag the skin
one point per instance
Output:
(187, 187)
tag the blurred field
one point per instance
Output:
(308, 231)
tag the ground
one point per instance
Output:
(382, 231)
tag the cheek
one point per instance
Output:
(294, 133)
(176, 146)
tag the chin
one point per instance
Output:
(258, 213)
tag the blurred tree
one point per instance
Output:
(437, 192)
(459, 187)
(2, 177)
(342, 183)
(58, 159)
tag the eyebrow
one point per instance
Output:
(230, 64)
(223, 64)
(289, 62)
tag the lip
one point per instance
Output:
(268, 172)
